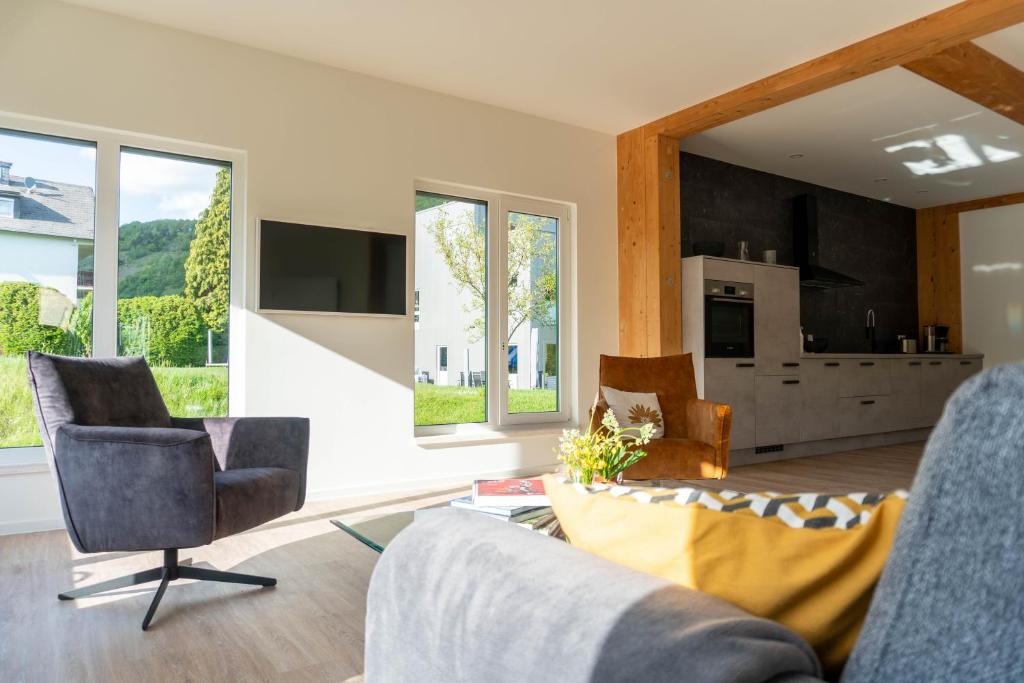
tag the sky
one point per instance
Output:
(151, 186)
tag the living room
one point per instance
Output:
(532, 214)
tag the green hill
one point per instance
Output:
(151, 257)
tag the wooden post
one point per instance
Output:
(649, 245)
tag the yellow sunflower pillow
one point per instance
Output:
(809, 561)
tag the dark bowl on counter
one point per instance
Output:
(817, 345)
(709, 248)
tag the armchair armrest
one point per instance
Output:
(711, 422)
(136, 488)
(241, 442)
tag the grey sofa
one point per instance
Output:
(457, 597)
(132, 478)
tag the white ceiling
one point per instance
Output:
(1007, 44)
(931, 145)
(608, 65)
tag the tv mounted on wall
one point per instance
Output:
(317, 269)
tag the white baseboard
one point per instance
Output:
(420, 484)
(30, 526)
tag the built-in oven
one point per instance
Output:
(728, 319)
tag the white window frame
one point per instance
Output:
(499, 205)
(8, 201)
(109, 143)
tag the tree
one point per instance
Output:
(531, 283)
(208, 266)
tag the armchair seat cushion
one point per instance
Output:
(251, 496)
(675, 459)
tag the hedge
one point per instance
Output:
(20, 327)
(167, 330)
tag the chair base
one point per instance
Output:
(170, 571)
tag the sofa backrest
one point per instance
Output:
(107, 392)
(950, 603)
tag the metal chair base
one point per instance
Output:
(170, 571)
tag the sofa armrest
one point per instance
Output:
(136, 488)
(710, 423)
(241, 442)
(458, 596)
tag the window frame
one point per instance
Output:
(13, 203)
(499, 205)
(108, 144)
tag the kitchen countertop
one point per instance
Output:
(867, 354)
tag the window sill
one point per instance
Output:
(491, 436)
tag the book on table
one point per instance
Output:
(512, 514)
(510, 492)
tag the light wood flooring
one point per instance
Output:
(308, 628)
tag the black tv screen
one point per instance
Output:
(334, 270)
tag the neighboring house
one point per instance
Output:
(46, 233)
(443, 354)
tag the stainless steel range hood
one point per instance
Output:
(805, 248)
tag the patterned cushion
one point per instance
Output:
(809, 561)
(635, 409)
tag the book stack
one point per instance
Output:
(521, 501)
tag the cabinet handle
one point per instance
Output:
(744, 365)
(867, 403)
(935, 362)
(832, 365)
(965, 362)
(791, 381)
(914, 362)
(790, 365)
(867, 363)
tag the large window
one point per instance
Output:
(489, 275)
(47, 224)
(173, 274)
(114, 244)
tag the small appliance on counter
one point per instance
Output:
(907, 345)
(936, 339)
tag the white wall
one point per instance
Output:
(48, 261)
(992, 281)
(329, 146)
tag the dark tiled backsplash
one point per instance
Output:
(870, 240)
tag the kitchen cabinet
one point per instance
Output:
(965, 368)
(819, 399)
(905, 379)
(860, 415)
(939, 377)
(776, 410)
(731, 380)
(728, 270)
(864, 377)
(777, 320)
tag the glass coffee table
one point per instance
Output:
(377, 532)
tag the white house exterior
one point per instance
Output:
(46, 230)
(444, 354)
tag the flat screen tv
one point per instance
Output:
(318, 269)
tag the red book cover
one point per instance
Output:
(510, 492)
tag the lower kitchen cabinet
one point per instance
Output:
(777, 409)
(731, 380)
(939, 378)
(819, 398)
(864, 415)
(906, 394)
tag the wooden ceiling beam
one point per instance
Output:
(978, 75)
(934, 33)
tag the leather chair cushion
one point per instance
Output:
(674, 459)
(251, 496)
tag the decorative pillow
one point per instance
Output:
(809, 561)
(634, 409)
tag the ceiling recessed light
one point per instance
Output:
(881, 180)
(796, 156)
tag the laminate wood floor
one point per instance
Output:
(308, 628)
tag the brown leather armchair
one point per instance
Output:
(696, 442)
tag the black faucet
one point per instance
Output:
(869, 329)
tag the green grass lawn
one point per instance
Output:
(455, 405)
(188, 392)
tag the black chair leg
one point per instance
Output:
(170, 571)
(226, 577)
(164, 580)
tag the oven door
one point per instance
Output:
(728, 327)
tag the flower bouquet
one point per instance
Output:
(602, 453)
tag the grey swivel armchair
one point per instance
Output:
(133, 478)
